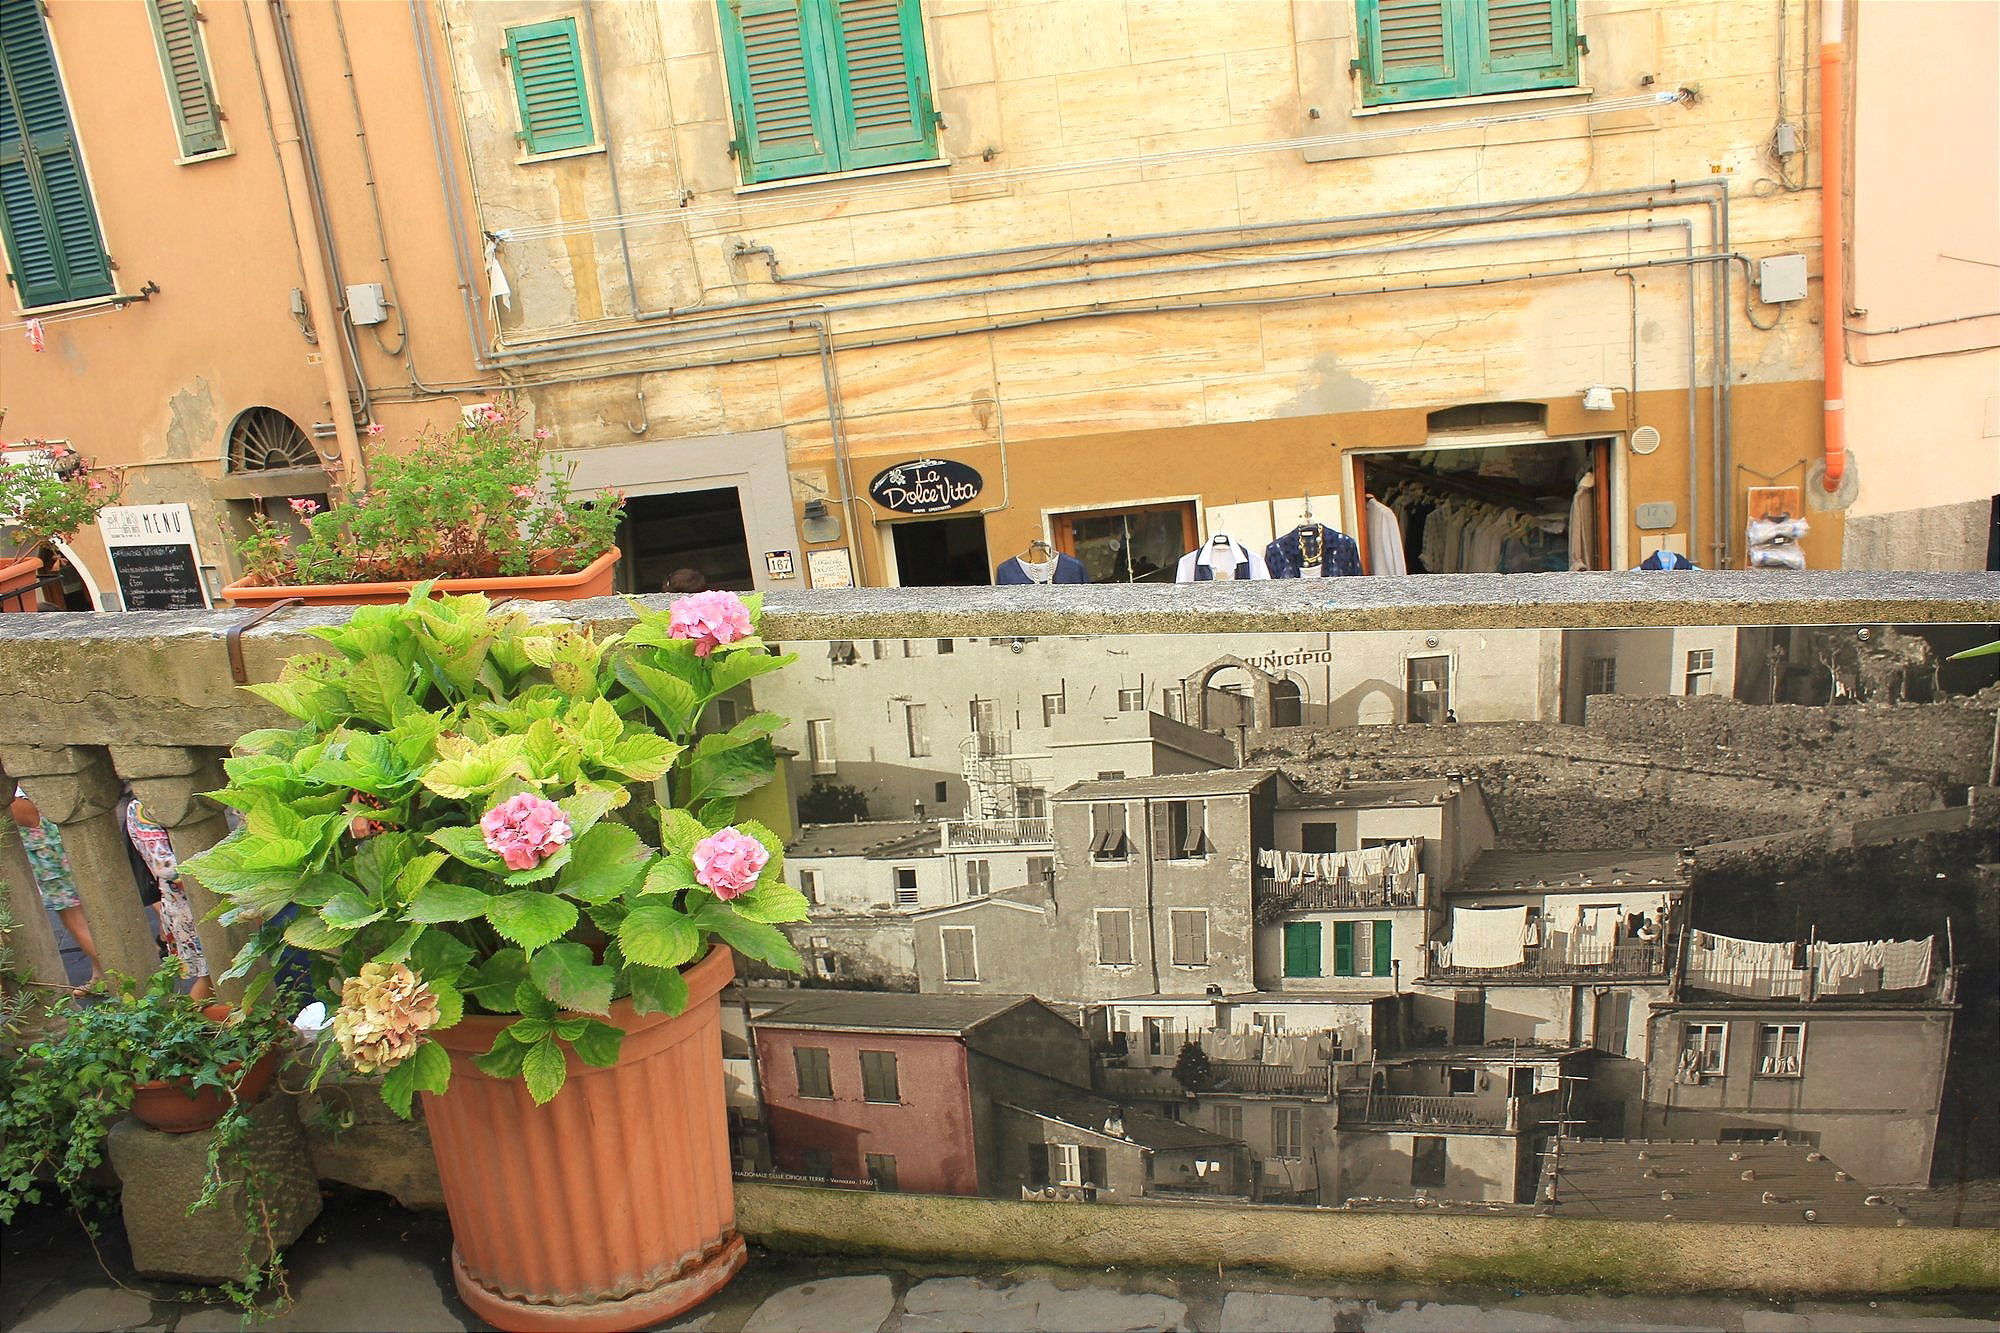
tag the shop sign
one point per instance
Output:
(154, 557)
(926, 486)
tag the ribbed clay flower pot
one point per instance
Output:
(609, 1208)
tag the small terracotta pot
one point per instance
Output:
(175, 1108)
(593, 580)
(17, 577)
(611, 1207)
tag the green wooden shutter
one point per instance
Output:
(55, 249)
(1411, 49)
(1343, 948)
(778, 88)
(1524, 44)
(549, 86)
(883, 81)
(1383, 947)
(1302, 957)
(190, 92)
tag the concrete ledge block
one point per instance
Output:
(356, 1140)
(161, 1174)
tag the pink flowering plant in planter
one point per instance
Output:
(483, 812)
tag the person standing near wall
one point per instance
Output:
(176, 913)
(54, 879)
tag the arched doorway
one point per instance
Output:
(1288, 703)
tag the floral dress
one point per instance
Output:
(176, 913)
(50, 863)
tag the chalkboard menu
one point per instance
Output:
(155, 557)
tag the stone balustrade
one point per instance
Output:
(89, 699)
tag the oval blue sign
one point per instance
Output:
(926, 486)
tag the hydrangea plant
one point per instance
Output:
(478, 811)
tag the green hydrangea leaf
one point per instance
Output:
(680, 831)
(439, 901)
(772, 903)
(440, 956)
(349, 911)
(545, 1070)
(753, 939)
(656, 990)
(641, 757)
(531, 918)
(670, 874)
(314, 935)
(655, 935)
(505, 1058)
(572, 978)
(598, 1044)
(427, 1070)
(469, 845)
(603, 863)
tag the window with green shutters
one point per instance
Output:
(190, 90)
(550, 90)
(55, 249)
(1360, 948)
(1302, 949)
(819, 86)
(1421, 50)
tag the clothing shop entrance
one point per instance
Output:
(942, 553)
(1486, 509)
(699, 531)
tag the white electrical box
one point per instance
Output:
(367, 304)
(1781, 279)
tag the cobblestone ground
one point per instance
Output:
(368, 1267)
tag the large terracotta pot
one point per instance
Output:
(593, 580)
(611, 1207)
(18, 577)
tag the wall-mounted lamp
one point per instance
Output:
(819, 525)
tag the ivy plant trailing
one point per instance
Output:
(62, 1094)
(481, 812)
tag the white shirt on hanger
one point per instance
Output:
(1385, 539)
(1232, 552)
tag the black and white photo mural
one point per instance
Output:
(1689, 923)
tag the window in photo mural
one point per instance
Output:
(1315, 919)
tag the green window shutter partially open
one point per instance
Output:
(1302, 949)
(549, 86)
(778, 88)
(1421, 50)
(1343, 948)
(190, 92)
(1525, 44)
(884, 82)
(1383, 947)
(55, 249)
(1411, 49)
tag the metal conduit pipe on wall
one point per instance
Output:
(322, 215)
(632, 339)
(1513, 213)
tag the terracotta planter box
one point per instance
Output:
(609, 1208)
(593, 580)
(19, 576)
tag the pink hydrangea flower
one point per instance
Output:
(729, 862)
(305, 508)
(711, 619)
(525, 829)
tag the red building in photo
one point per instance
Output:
(900, 1089)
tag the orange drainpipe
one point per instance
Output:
(1833, 295)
